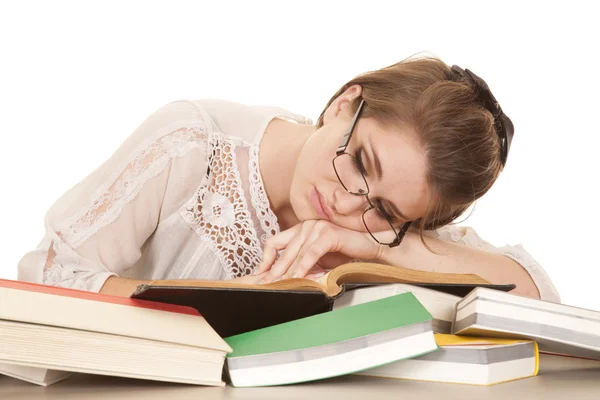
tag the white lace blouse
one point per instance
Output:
(183, 198)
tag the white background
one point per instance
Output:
(77, 77)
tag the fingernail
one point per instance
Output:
(294, 276)
(278, 279)
(320, 274)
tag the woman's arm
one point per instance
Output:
(456, 250)
(98, 228)
(455, 258)
(123, 287)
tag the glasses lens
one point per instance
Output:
(379, 226)
(349, 174)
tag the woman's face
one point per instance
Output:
(401, 189)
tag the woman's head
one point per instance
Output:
(440, 143)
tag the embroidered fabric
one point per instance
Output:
(268, 220)
(64, 265)
(219, 212)
(57, 273)
(107, 202)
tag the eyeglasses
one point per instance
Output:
(349, 172)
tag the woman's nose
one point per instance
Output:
(347, 203)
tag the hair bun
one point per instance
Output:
(484, 96)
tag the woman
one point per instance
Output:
(210, 189)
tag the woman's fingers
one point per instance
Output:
(316, 273)
(309, 243)
(319, 243)
(249, 279)
(273, 245)
(290, 253)
(334, 259)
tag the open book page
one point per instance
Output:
(330, 283)
(366, 272)
(286, 284)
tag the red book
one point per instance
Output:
(82, 294)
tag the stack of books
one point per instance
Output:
(47, 332)
(362, 318)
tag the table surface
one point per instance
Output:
(559, 378)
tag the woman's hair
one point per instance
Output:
(456, 132)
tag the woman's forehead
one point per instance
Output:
(403, 166)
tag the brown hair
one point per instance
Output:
(456, 132)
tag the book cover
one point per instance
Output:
(331, 344)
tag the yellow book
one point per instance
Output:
(468, 360)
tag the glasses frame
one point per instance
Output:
(341, 150)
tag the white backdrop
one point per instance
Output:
(77, 77)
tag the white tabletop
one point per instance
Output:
(559, 378)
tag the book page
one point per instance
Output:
(366, 272)
(331, 283)
(286, 284)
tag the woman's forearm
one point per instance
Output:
(123, 287)
(454, 258)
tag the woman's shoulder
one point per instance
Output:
(240, 120)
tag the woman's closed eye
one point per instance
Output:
(378, 203)
(381, 210)
(358, 162)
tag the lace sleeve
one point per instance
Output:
(467, 236)
(98, 227)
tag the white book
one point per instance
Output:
(75, 331)
(557, 328)
(440, 305)
(39, 376)
(467, 360)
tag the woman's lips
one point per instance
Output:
(319, 205)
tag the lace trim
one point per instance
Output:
(260, 201)
(56, 274)
(149, 159)
(218, 212)
(69, 270)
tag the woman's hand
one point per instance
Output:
(313, 246)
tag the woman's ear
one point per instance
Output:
(340, 104)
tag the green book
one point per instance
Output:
(334, 343)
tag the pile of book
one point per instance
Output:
(362, 318)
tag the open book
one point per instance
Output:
(246, 307)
